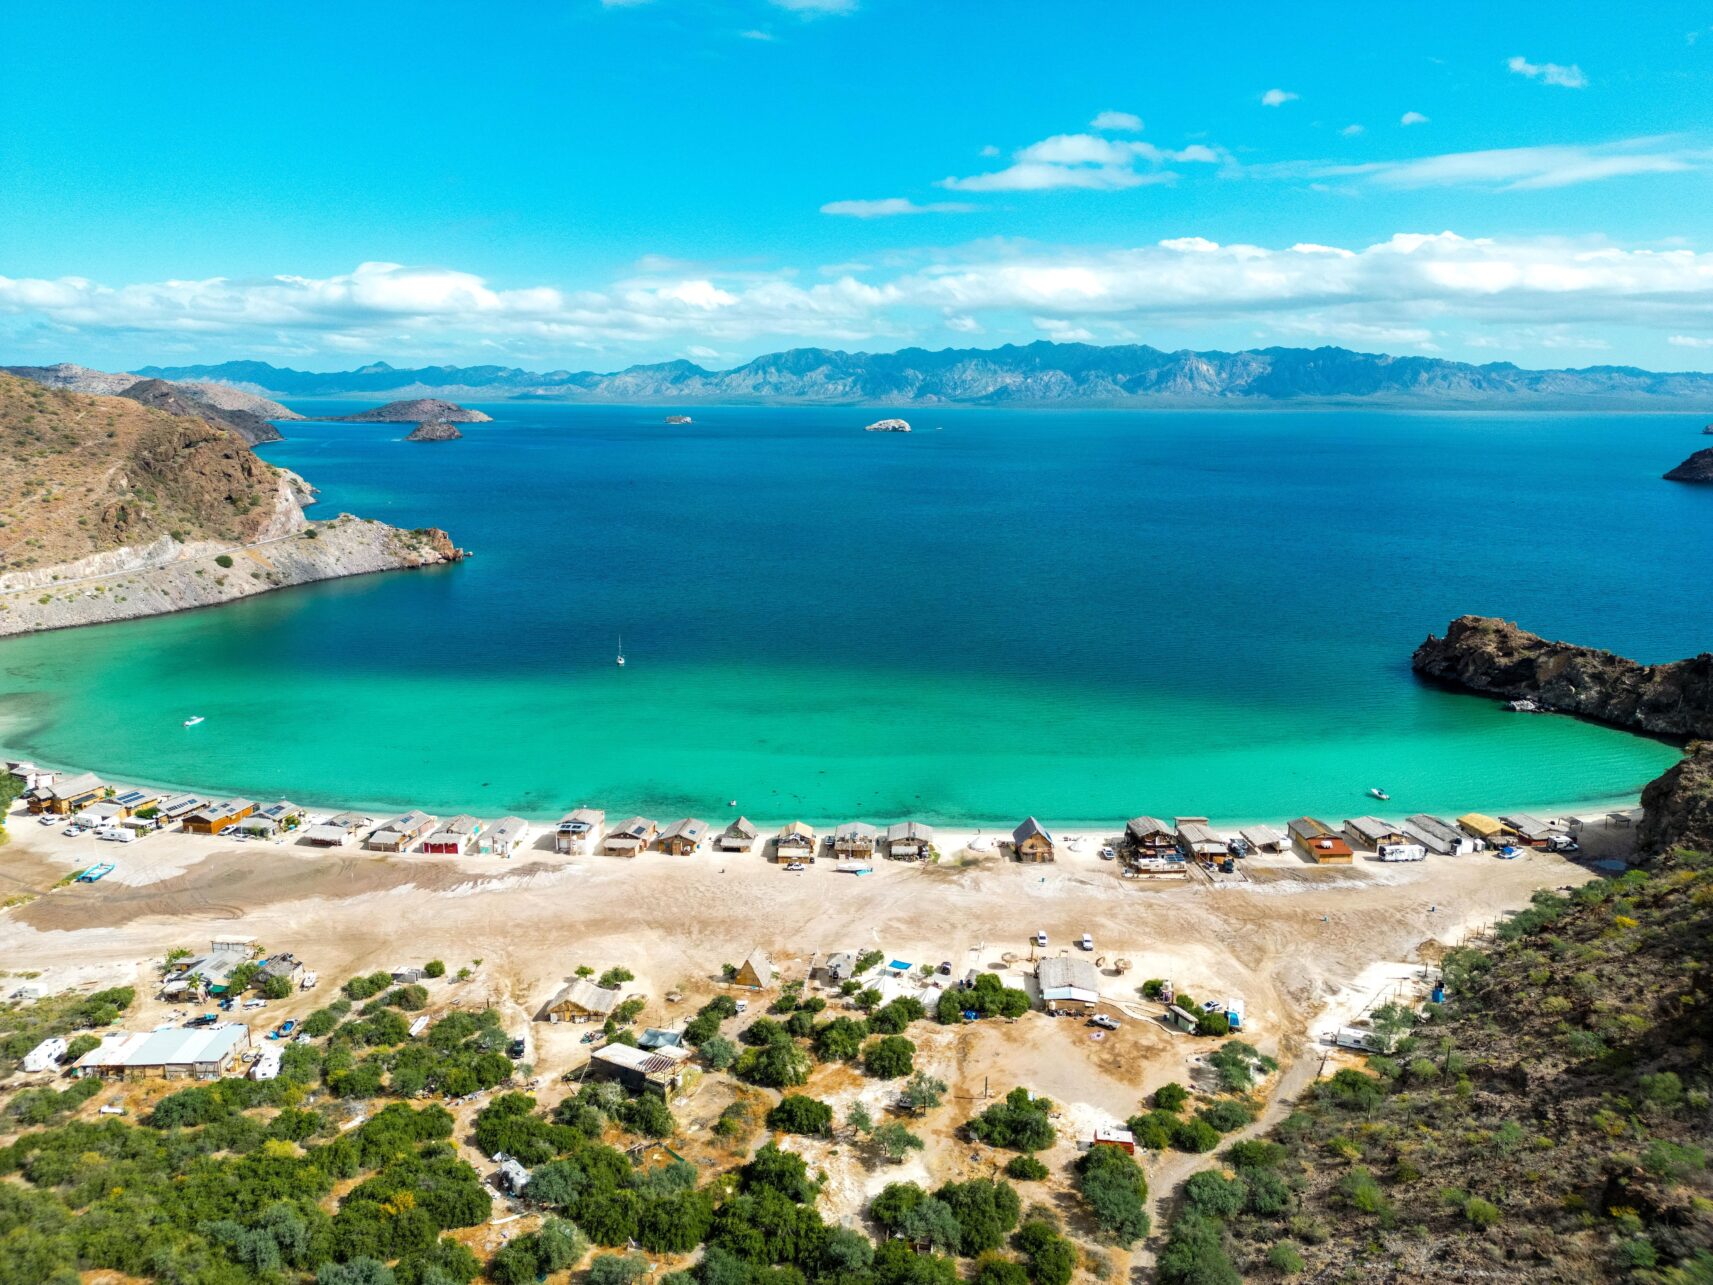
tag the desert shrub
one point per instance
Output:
(1284, 1259)
(1171, 1096)
(1020, 1122)
(1025, 1169)
(1048, 1257)
(797, 1113)
(889, 1057)
(719, 1052)
(1195, 1136)
(1117, 1193)
(1216, 1196)
(1227, 1115)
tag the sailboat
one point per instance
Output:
(621, 660)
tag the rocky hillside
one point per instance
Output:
(1031, 374)
(82, 475)
(207, 400)
(1677, 809)
(1551, 1123)
(111, 509)
(1494, 656)
(417, 410)
(177, 399)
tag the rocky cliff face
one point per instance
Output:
(1697, 468)
(1494, 656)
(1677, 809)
(419, 410)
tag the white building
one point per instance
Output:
(46, 1055)
(267, 1064)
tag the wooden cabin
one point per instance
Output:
(215, 817)
(1439, 835)
(756, 972)
(1265, 838)
(682, 838)
(795, 842)
(1149, 837)
(630, 837)
(1198, 842)
(1031, 842)
(403, 830)
(909, 841)
(1491, 830)
(1373, 833)
(582, 1001)
(855, 841)
(1319, 842)
(739, 836)
(64, 797)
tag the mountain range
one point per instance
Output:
(1030, 374)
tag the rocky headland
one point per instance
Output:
(1697, 468)
(244, 413)
(113, 508)
(416, 410)
(435, 430)
(1496, 657)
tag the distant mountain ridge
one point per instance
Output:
(1031, 374)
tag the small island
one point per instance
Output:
(435, 430)
(416, 410)
(679, 419)
(888, 426)
(1697, 468)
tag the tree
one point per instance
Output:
(434, 968)
(1116, 1191)
(1025, 1169)
(778, 1066)
(839, 1040)
(986, 1212)
(1171, 1096)
(356, 1271)
(276, 987)
(889, 1057)
(922, 1092)
(933, 1223)
(859, 1118)
(1019, 1122)
(79, 1045)
(894, 1141)
(614, 978)
(894, 1204)
(1227, 1116)
(797, 1113)
(1195, 1136)
(1195, 1255)
(1213, 1022)
(718, 1052)
(647, 1114)
(1049, 1258)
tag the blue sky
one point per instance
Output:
(582, 185)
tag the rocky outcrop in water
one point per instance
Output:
(416, 410)
(1697, 468)
(887, 426)
(435, 430)
(1677, 808)
(1486, 654)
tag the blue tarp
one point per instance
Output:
(899, 965)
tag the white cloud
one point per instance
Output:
(1404, 291)
(1412, 118)
(1513, 168)
(1277, 98)
(1351, 131)
(893, 205)
(702, 352)
(810, 8)
(990, 150)
(1550, 73)
(758, 34)
(1124, 122)
(1087, 161)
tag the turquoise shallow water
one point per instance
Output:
(1084, 615)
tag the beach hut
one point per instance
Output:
(337, 831)
(629, 837)
(1149, 837)
(1373, 833)
(855, 841)
(1265, 838)
(795, 842)
(756, 972)
(503, 838)
(1478, 825)
(215, 817)
(403, 830)
(582, 1001)
(1031, 842)
(1319, 842)
(453, 838)
(682, 838)
(1438, 835)
(1535, 832)
(1197, 841)
(576, 830)
(909, 841)
(131, 802)
(65, 796)
(176, 807)
(739, 836)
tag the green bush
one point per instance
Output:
(434, 968)
(1020, 1122)
(1116, 1191)
(223, 560)
(1227, 1115)
(797, 1113)
(1284, 1259)
(1048, 1256)
(1216, 1196)
(1171, 1096)
(1480, 1213)
(1195, 1136)
(1025, 1169)
(889, 1057)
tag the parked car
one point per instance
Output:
(796, 866)
(945, 968)
(1104, 1022)
(1041, 940)
(743, 1006)
(1087, 942)
(227, 830)
(49, 818)
(1107, 854)
(207, 1019)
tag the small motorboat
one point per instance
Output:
(621, 660)
(1378, 793)
(194, 719)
